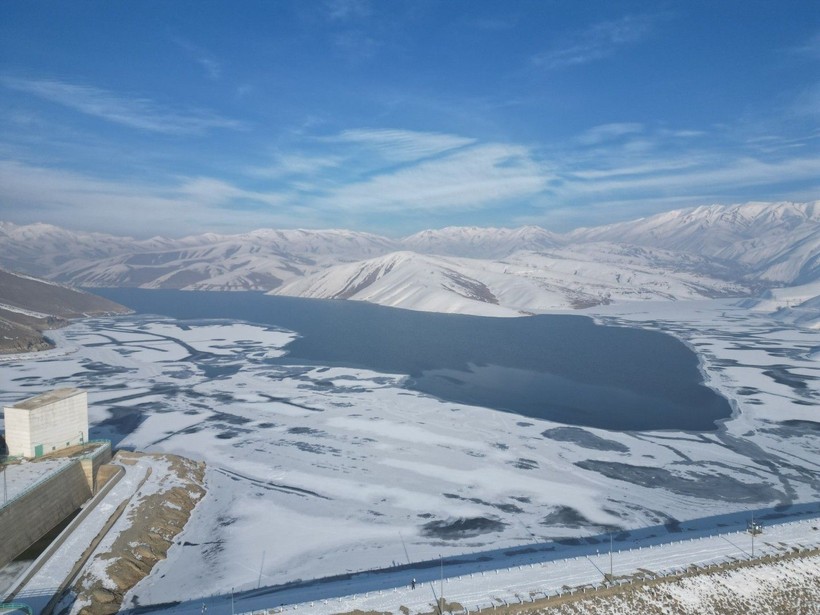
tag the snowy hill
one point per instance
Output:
(797, 305)
(522, 283)
(771, 242)
(700, 252)
(259, 260)
(29, 306)
(475, 242)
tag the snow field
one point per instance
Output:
(525, 582)
(316, 471)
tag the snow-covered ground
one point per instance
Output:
(317, 470)
(521, 581)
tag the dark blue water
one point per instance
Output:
(557, 367)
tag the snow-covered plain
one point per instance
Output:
(316, 471)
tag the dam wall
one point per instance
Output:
(39, 509)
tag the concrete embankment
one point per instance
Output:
(29, 517)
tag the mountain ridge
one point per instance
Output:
(712, 250)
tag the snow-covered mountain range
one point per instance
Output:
(717, 250)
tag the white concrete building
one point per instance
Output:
(47, 422)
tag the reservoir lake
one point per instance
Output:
(562, 368)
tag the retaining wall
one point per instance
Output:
(32, 515)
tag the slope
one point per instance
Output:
(29, 306)
(523, 283)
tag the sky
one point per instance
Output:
(393, 116)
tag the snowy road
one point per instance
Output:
(471, 585)
(42, 587)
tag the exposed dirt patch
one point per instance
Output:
(154, 522)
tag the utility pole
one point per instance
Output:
(441, 592)
(754, 529)
(610, 556)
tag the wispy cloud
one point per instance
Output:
(401, 145)
(608, 132)
(356, 46)
(358, 177)
(211, 66)
(340, 10)
(139, 113)
(811, 48)
(656, 169)
(179, 206)
(596, 42)
(296, 165)
(469, 178)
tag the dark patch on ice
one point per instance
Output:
(218, 372)
(781, 375)
(104, 368)
(524, 424)
(748, 391)
(802, 425)
(501, 446)
(309, 447)
(525, 464)
(288, 402)
(227, 435)
(507, 508)
(231, 419)
(455, 529)
(694, 484)
(122, 421)
(584, 438)
(521, 498)
(226, 520)
(305, 430)
(793, 428)
(425, 515)
(266, 425)
(182, 374)
(566, 516)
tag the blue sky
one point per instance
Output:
(393, 116)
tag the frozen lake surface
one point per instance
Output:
(555, 367)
